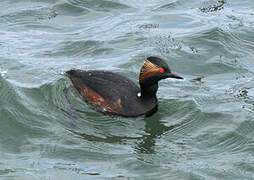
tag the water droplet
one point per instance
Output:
(3, 73)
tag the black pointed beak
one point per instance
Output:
(171, 75)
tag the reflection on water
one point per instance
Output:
(153, 129)
(144, 144)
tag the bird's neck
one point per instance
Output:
(149, 90)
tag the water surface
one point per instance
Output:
(204, 126)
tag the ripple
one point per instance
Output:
(8, 94)
(177, 4)
(17, 119)
(34, 17)
(99, 5)
(79, 49)
(6, 171)
(70, 9)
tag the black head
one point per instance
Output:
(155, 69)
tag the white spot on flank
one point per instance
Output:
(139, 94)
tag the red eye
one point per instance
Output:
(161, 70)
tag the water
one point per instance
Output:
(203, 128)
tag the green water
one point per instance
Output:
(203, 128)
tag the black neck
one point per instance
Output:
(149, 90)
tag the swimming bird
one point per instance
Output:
(114, 94)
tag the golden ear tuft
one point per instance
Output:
(149, 69)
